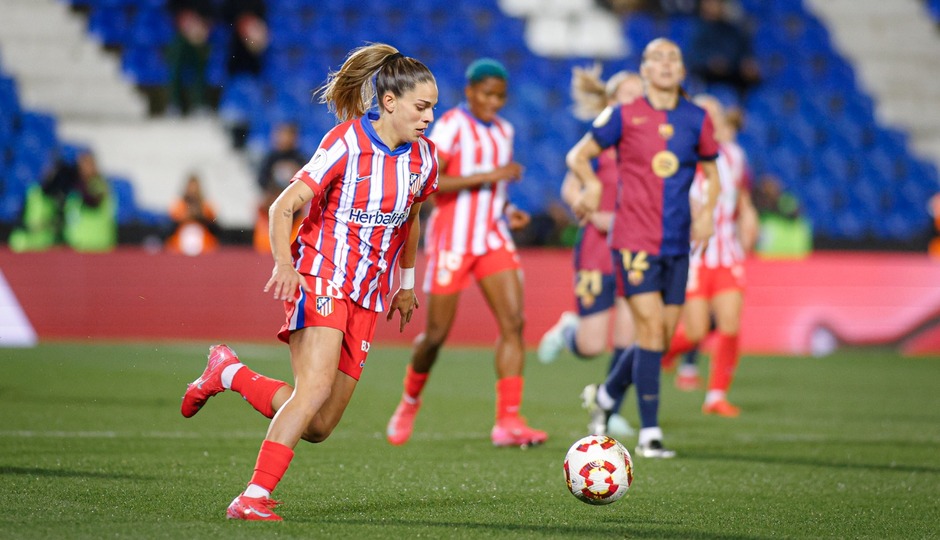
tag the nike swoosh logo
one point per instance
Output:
(253, 511)
(361, 178)
(637, 120)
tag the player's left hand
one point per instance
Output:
(405, 302)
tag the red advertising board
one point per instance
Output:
(791, 307)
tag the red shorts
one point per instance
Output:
(705, 282)
(450, 272)
(328, 306)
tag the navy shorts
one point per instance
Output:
(638, 272)
(594, 291)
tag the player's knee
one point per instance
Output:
(431, 340)
(589, 348)
(321, 427)
(695, 334)
(512, 324)
(317, 434)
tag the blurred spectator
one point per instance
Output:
(72, 205)
(783, 231)
(249, 37)
(283, 160)
(188, 56)
(194, 228)
(720, 51)
(279, 166)
(90, 211)
(655, 7)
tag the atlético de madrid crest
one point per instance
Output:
(415, 183)
(324, 306)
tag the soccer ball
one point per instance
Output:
(598, 469)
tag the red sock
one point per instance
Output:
(508, 397)
(723, 363)
(680, 344)
(414, 382)
(257, 389)
(273, 460)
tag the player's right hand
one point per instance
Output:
(285, 282)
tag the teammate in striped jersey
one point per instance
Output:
(468, 239)
(716, 274)
(585, 333)
(659, 139)
(365, 184)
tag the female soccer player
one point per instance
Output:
(586, 332)
(716, 274)
(468, 239)
(659, 140)
(366, 183)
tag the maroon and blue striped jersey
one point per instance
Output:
(657, 152)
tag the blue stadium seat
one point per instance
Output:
(933, 8)
(123, 192)
(145, 65)
(151, 27)
(109, 25)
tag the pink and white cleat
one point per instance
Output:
(402, 422)
(210, 382)
(253, 509)
(514, 431)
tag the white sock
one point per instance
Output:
(714, 395)
(255, 491)
(603, 398)
(688, 370)
(229, 373)
(648, 434)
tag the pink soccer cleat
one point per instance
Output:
(514, 431)
(402, 422)
(721, 408)
(253, 509)
(210, 382)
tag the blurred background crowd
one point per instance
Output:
(173, 123)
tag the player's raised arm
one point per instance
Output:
(579, 162)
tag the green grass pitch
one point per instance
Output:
(92, 445)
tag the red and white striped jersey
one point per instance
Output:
(363, 193)
(470, 221)
(724, 248)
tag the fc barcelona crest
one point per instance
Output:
(415, 183)
(666, 131)
(324, 306)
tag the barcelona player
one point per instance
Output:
(365, 183)
(586, 332)
(659, 139)
(716, 274)
(468, 239)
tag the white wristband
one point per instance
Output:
(407, 278)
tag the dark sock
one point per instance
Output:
(646, 376)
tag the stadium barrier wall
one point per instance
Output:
(791, 306)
